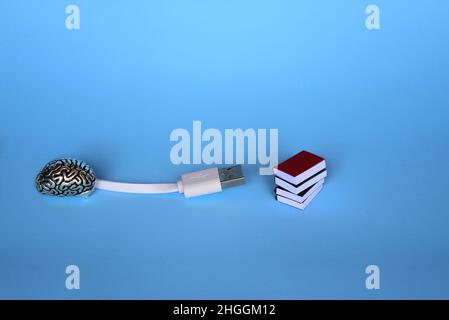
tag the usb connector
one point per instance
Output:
(210, 181)
(231, 176)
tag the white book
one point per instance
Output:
(299, 205)
(302, 196)
(303, 185)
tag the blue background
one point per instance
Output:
(373, 103)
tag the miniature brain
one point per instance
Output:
(66, 177)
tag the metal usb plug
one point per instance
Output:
(231, 176)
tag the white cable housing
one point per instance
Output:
(200, 182)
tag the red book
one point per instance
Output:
(300, 167)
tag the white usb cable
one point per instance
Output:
(192, 184)
(68, 177)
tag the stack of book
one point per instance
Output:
(299, 179)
